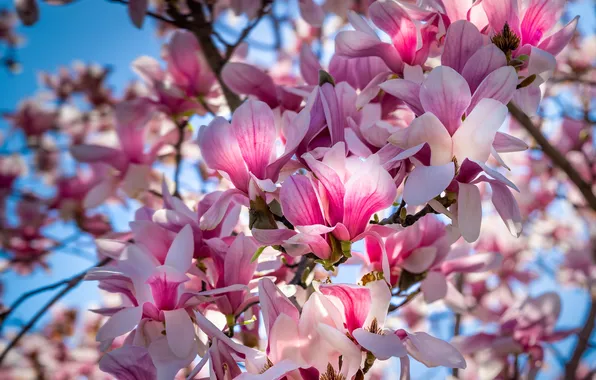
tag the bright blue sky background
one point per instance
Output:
(100, 32)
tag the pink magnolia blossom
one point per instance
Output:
(424, 248)
(244, 152)
(187, 83)
(410, 43)
(130, 160)
(247, 79)
(33, 118)
(445, 99)
(154, 293)
(524, 328)
(337, 204)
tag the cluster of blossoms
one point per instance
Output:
(380, 163)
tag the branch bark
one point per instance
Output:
(556, 157)
(583, 341)
(71, 283)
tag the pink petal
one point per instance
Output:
(500, 12)
(183, 58)
(333, 113)
(253, 125)
(98, 153)
(216, 213)
(309, 65)
(274, 303)
(238, 265)
(380, 299)
(557, 42)
(541, 63)
(479, 262)
(370, 190)
(474, 138)
(486, 60)
(356, 302)
(333, 189)
(272, 237)
(420, 259)
(128, 363)
(505, 143)
(539, 18)
(499, 85)
(429, 129)
(311, 12)
(284, 340)
(120, 323)
(469, 211)
(180, 332)
(100, 193)
(528, 99)
(433, 352)
(137, 10)
(131, 117)
(434, 286)
(317, 244)
(506, 205)
(446, 94)
(457, 9)
(299, 201)
(361, 44)
(181, 251)
(166, 363)
(394, 20)
(351, 355)
(278, 371)
(383, 347)
(426, 182)
(404, 90)
(221, 151)
(461, 42)
(246, 79)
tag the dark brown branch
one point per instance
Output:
(555, 156)
(583, 341)
(459, 285)
(178, 157)
(408, 298)
(149, 13)
(71, 283)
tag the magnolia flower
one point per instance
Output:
(183, 87)
(243, 151)
(132, 162)
(155, 293)
(247, 79)
(336, 205)
(410, 45)
(524, 328)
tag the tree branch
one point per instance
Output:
(583, 341)
(553, 153)
(71, 283)
(459, 285)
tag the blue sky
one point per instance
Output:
(100, 32)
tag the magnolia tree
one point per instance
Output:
(314, 219)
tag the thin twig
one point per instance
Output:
(553, 153)
(262, 12)
(582, 341)
(409, 297)
(71, 283)
(178, 158)
(459, 285)
(149, 13)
